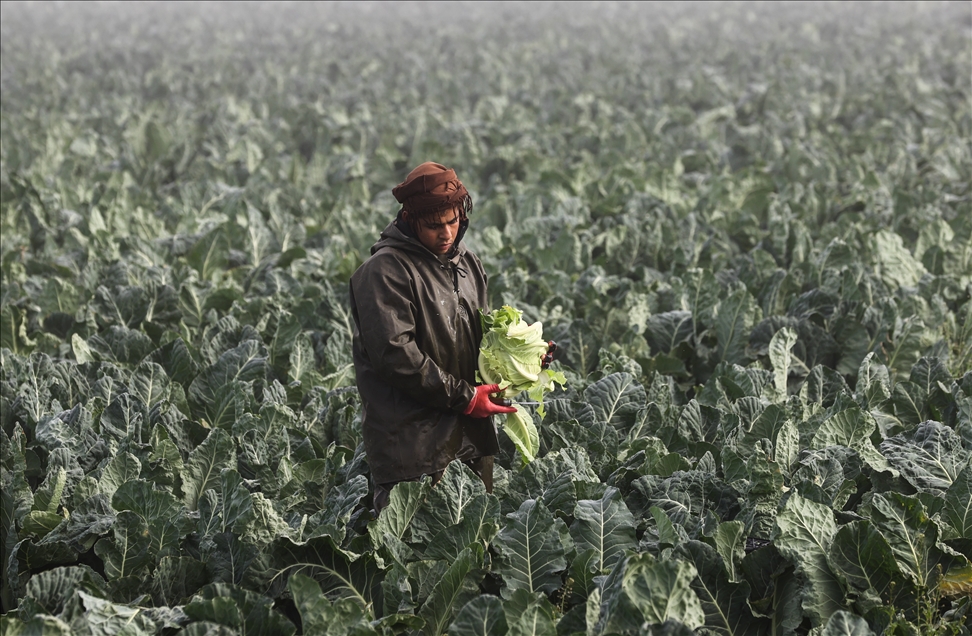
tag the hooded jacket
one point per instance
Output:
(416, 345)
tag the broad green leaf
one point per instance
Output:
(122, 345)
(302, 363)
(239, 608)
(230, 559)
(873, 383)
(908, 339)
(698, 293)
(82, 352)
(109, 386)
(729, 541)
(205, 464)
(550, 478)
(667, 330)
(662, 590)
(191, 305)
(583, 568)
(930, 457)
(735, 317)
(480, 523)
(724, 602)
(121, 468)
(73, 430)
(235, 501)
(422, 577)
(13, 334)
(340, 575)
(682, 497)
(863, 557)
(125, 420)
(529, 614)
(49, 592)
(458, 585)
(338, 506)
(447, 501)
(787, 449)
(805, 531)
(165, 460)
(222, 612)
(583, 430)
(536, 620)
(39, 523)
(699, 423)
(908, 403)
(89, 521)
(779, 354)
(531, 549)
(152, 142)
(911, 535)
(163, 514)
(126, 553)
(593, 611)
(262, 523)
(403, 504)
(523, 432)
(35, 382)
(616, 400)
(605, 526)
(27, 555)
(150, 383)
(315, 609)
(209, 254)
(958, 503)
(177, 361)
(177, 578)
(48, 497)
(667, 534)
(844, 623)
(288, 328)
(262, 442)
(927, 373)
(851, 428)
(482, 616)
(895, 264)
(243, 363)
(36, 626)
(207, 628)
(228, 406)
(318, 615)
(957, 581)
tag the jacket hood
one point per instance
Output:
(398, 235)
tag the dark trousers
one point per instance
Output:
(482, 466)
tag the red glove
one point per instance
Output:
(548, 357)
(481, 406)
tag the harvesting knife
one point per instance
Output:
(506, 402)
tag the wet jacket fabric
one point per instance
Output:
(416, 345)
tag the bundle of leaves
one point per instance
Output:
(511, 356)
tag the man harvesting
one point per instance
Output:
(415, 304)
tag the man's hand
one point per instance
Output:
(482, 406)
(548, 357)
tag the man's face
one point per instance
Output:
(437, 232)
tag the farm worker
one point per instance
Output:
(415, 304)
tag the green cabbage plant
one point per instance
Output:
(510, 355)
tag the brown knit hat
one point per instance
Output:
(431, 188)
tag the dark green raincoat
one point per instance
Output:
(416, 345)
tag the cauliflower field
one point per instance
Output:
(748, 227)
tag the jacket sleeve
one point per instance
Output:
(383, 302)
(483, 301)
